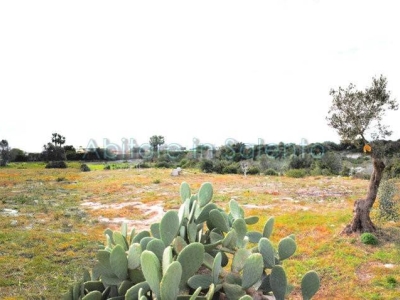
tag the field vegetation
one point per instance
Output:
(53, 221)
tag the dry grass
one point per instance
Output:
(61, 222)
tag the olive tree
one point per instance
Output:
(358, 115)
(156, 141)
(4, 153)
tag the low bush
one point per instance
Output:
(332, 162)
(253, 171)
(231, 168)
(393, 169)
(388, 208)
(163, 164)
(369, 239)
(296, 173)
(143, 165)
(271, 172)
(218, 166)
(188, 163)
(345, 171)
(317, 171)
(279, 165)
(301, 161)
(391, 281)
(207, 166)
(56, 165)
(84, 168)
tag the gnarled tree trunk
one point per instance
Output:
(361, 221)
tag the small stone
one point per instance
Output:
(389, 266)
(287, 199)
(14, 223)
(36, 202)
(10, 212)
(175, 172)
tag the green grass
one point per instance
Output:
(55, 238)
(96, 166)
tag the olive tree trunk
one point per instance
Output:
(361, 220)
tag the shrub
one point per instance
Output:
(345, 171)
(84, 168)
(369, 239)
(200, 251)
(163, 164)
(187, 163)
(393, 169)
(253, 171)
(264, 162)
(231, 168)
(296, 173)
(218, 166)
(56, 165)
(279, 165)
(391, 281)
(300, 162)
(396, 170)
(206, 166)
(142, 165)
(388, 207)
(317, 171)
(271, 172)
(332, 162)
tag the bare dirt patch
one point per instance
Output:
(139, 202)
(144, 214)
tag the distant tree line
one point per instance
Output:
(326, 158)
(235, 152)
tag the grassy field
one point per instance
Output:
(52, 224)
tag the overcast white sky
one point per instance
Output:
(210, 70)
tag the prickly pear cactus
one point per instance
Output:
(186, 256)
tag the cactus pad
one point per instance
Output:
(309, 285)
